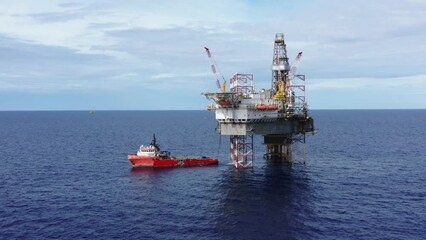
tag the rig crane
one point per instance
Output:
(294, 65)
(220, 87)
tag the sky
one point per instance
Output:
(149, 55)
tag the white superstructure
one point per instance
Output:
(149, 151)
(241, 108)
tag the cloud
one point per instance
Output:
(376, 93)
(91, 45)
(164, 75)
(416, 83)
(84, 25)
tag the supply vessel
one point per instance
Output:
(152, 156)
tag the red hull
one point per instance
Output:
(144, 161)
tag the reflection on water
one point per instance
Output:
(152, 171)
(274, 200)
(149, 171)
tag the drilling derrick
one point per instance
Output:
(280, 68)
(279, 114)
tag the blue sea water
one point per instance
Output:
(65, 175)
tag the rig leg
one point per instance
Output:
(298, 148)
(289, 148)
(241, 149)
(278, 147)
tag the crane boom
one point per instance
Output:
(212, 65)
(294, 65)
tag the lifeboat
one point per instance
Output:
(224, 102)
(273, 107)
(261, 107)
(210, 107)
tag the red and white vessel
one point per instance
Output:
(151, 156)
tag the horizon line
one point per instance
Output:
(123, 110)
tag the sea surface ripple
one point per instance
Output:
(65, 175)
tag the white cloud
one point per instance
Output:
(87, 44)
(201, 74)
(414, 84)
(164, 75)
(84, 25)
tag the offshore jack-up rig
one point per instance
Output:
(279, 114)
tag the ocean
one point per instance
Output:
(65, 175)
